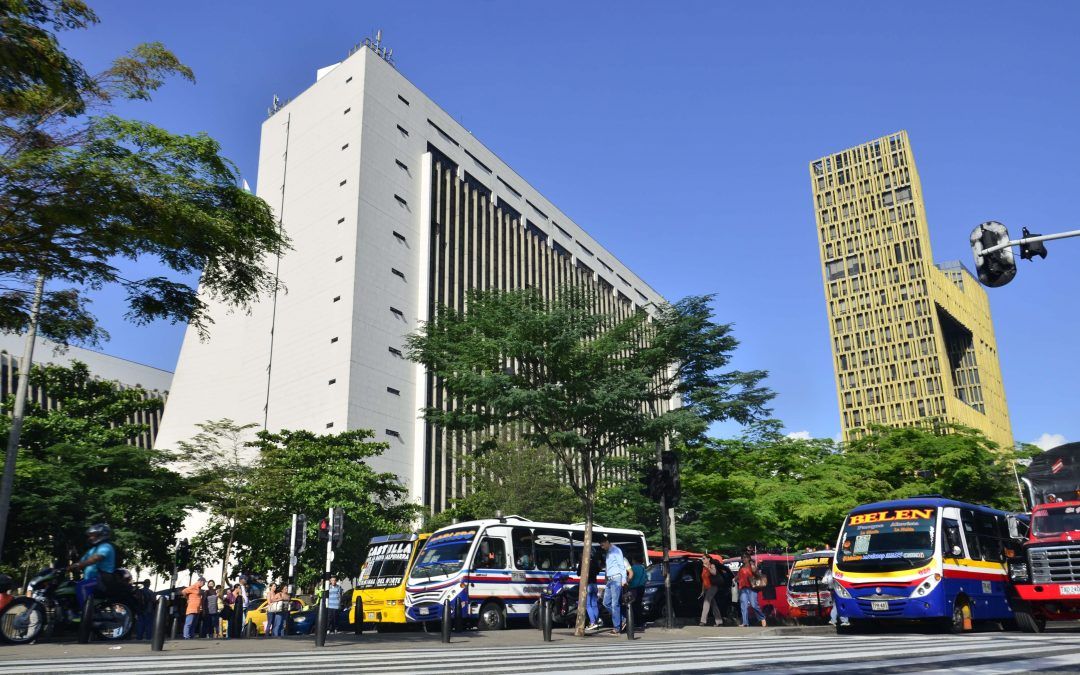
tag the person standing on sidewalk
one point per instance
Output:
(194, 596)
(636, 587)
(333, 604)
(212, 625)
(592, 598)
(144, 620)
(748, 599)
(709, 589)
(615, 570)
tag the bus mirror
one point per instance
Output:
(1015, 528)
(957, 551)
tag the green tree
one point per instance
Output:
(583, 383)
(513, 478)
(220, 474)
(81, 190)
(303, 472)
(77, 465)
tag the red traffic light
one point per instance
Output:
(324, 530)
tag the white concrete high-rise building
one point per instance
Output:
(392, 208)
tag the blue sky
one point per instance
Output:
(678, 134)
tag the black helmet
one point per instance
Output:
(98, 533)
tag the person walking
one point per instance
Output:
(592, 598)
(748, 597)
(709, 589)
(615, 571)
(211, 620)
(144, 620)
(636, 586)
(333, 604)
(194, 596)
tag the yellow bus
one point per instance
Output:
(381, 585)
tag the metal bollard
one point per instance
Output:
(446, 620)
(320, 623)
(546, 619)
(358, 613)
(161, 619)
(630, 619)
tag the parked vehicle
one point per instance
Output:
(1045, 566)
(493, 571)
(389, 560)
(809, 598)
(685, 588)
(927, 559)
(300, 614)
(773, 598)
(56, 602)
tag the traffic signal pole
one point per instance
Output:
(665, 536)
(1032, 240)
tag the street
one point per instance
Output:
(522, 651)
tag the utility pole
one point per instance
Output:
(7, 485)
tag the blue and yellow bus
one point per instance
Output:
(925, 559)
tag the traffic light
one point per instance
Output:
(301, 534)
(997, 268)
(183, 554)
(324, 530)
(1036, 248)
(652, 483)
(672, 484)
(337, 526)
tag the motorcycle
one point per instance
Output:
(57, 602)
(563, 597)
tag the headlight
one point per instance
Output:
(926, 586)
(391, 603)
(1019, 572)
(842, 592)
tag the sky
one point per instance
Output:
(678, 134)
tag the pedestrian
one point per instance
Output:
(709, 589)
(615, 571)
(748, 597)
(636, 587)
(592, 599)
(727, 593)
(228, 612)
(277, 600)
(241, 608)
(144, 620)
(212, 627)
(194, 596)
(333, 604)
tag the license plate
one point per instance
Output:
(881, 606)
(1070, 589)
(424, 610)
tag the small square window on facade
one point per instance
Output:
(391, 432)
(333, 381)
(403, 130)
(329, 425)
(344, 146)
(401, 165)
(338, 259)
(400, 237)
(397, 312)
(403, 99)
(398, 273)
(342, 182)
(333, 340)
(401, 200)
(348, 79)
(347, 111)
(395, 392)
(395, 351)
(337, 298)
(340, 220)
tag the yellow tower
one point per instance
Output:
(912, 341)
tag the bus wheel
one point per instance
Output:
(1028, 622)
(491, 616)
(962, 619)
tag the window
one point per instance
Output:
(398, 273)
(967, 519)
(834, 270)
(340, 220)
(344, 146)
(989, 536)
(535, 230)
(584, 248)
(336, 298)
(564, 232)
(442, 133)
(552, 550)
(400, 237)
(537, 209)
(338, 259)
(509, 187)
(342, 183)
(397, 312)
(852, 265)
(401, 200)
(903, 194)
(400, 98)
(395, 392)
(403, 130)
(333, 381)
(522, 541)
(348, 79)
(329, 425)
(560, 249)
(478, 162)
(584, 268)
(401, 165)
(333, 340)
(606, 266)
(490, 554)
(395, 351)
(391, 432)
(953, 540)
(347, 110)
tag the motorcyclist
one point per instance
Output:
(98, 564)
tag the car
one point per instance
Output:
(685, 591)
(301, 616)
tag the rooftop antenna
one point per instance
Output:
(275, 105)
(376, 45)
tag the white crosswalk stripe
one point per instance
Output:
(995, 654)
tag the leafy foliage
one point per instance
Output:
(76, 467)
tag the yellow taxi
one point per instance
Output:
(256, 615)
(382, 579)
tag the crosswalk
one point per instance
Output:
(992, 653)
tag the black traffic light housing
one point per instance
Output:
(324, 530)
(1035, 248)
(183, 554)
(337, 526)
(997, 268)
(663, 481)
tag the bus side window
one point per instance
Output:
(491, 554)
(953, 540)
(553, 550)
(524, 555)
(967, 519)
(989, 540)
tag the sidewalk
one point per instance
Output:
(515, 637)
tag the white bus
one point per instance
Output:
(494, 570)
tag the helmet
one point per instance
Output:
(98, 533)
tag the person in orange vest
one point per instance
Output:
(194, 596)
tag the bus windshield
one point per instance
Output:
(807, 579)
(386, 564)
(1056, 521)
(444, 553)
(887, 540)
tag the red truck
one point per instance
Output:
(1045, 573)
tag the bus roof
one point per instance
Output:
(934, 501)
(388, 538)
(525, 522)
(810, 555)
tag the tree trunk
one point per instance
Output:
(225, 557)
(586, 560)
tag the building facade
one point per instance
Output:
(128, 374)
(392, 207)
(912, 341)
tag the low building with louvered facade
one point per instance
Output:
(392, 208)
